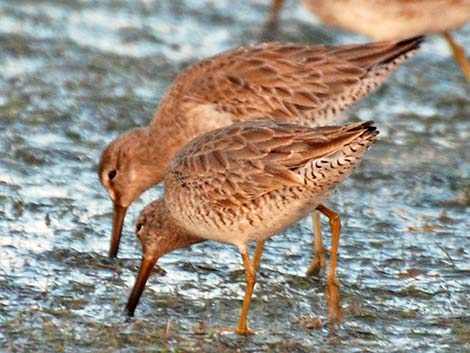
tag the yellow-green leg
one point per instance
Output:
(332, 283)
(250, 276)
(459, 55)
(318, 263)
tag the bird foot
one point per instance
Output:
(244, 331)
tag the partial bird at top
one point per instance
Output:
(391, 19)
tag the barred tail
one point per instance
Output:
(328, 171)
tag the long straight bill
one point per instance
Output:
(145, 270)
(119, 213)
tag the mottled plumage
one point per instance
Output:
(247, 182)
(308, 84)
(302, 84)
(243, 168)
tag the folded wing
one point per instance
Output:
(242, 162)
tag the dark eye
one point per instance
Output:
(112, 175)
(138, 227)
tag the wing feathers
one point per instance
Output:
(286, 81)
(246, 160)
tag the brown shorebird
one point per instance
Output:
(308, 85)
(392, 19)
(245, 183)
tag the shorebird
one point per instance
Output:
(245, 183)
(392, 19)
(309, 85)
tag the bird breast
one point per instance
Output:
(238, 224)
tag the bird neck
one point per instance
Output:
(181, 237)
(166, 143)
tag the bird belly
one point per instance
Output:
(384, 19)
(254, 221)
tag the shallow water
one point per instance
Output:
(75, 74)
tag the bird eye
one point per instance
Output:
(112, 174)
(138, 227)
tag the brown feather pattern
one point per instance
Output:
(285, 81)
(266, 156)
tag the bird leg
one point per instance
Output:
(250, 275)
(332, 283)
(274, 12)
(258, 252)
(319, 250)
(270, 26)
(459, 55)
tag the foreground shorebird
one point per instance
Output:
(393, 19)
(308, 85)
(245, 183)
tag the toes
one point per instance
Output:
(244, 331)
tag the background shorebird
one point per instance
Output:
(392, 19)
(303, 84)
(247, 182)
